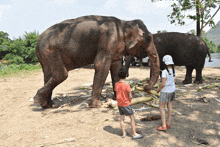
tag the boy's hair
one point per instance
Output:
(121, 73)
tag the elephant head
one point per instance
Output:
(144, 43)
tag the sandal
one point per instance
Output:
(168, 126)
(161, 128)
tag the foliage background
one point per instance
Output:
(22, 50)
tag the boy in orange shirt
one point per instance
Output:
(123, 95)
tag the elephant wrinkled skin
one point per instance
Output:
(186, 49)
(86, 40)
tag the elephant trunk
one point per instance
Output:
(127, 64)
(155, 65)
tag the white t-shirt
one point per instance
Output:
(170, 83)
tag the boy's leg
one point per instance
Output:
(122, 119)
(162, 113)
(133, 128)
(170, 112)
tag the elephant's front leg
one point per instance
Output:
(114, 74)
(102, 65)
(188, 77)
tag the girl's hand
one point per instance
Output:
(158, 90)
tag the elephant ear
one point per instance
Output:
(136, 37)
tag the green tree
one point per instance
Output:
(213, 48)
(218, 48)
(202, 14)
(22, 50)
(192, 32)
(164, 31)
(4, 42)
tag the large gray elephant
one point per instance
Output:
(91, 39)
(186, 49)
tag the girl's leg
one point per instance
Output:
(133, 128)
(122, 119)
(170, 112)
(162, 113)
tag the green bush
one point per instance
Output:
(14, 59)
(213, 48)
(22, 50)
(6, 70)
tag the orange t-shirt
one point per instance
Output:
(122, 89)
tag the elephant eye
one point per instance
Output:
(148, 39)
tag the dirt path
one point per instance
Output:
(23, 123)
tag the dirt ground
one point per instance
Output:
(25, 124)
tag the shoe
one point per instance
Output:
(161, 128)
(138, 136)
(125, 135)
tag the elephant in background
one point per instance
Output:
(91, 39)
(186, 49)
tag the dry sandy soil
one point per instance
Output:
(23, 123)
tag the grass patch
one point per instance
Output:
(14, 70)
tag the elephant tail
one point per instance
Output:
(208, 52)
(209, 56)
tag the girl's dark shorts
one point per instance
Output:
(125, 110)
(167, 97)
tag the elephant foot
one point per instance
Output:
(95, 103)
(147, 89)
(187, 81)
(44, 103)
(198, 82)
(40, 101)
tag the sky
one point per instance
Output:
(20, 16)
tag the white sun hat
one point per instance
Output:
(168, 60)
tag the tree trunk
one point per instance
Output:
(198, 29)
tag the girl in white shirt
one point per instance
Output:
(167, 92)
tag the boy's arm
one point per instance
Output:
(162, 85)
(130, 96)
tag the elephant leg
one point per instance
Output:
(54, 73)
(188, 77)
(47, 77)
(199, 79)
(102, 65)
(114, 75)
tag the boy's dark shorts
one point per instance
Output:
(125, 110)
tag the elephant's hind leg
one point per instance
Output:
(199, 79)
(54, 73)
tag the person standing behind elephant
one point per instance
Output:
(167, 92)
(124, 97)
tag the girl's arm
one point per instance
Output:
(162, 85)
